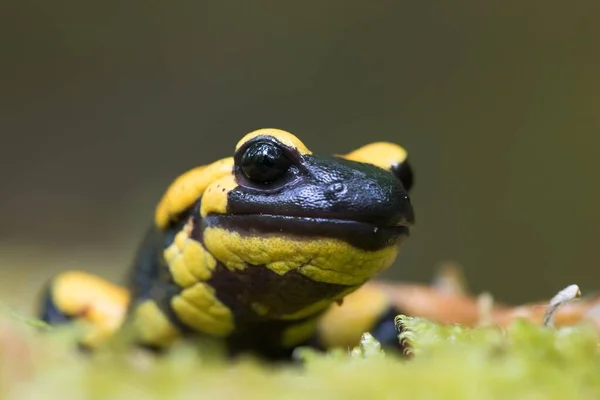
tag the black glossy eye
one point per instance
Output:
(264, 162)
(405, 174)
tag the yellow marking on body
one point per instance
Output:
(299, 333)
(320, 259)
(381, 154)
(188, 260)
(318, 306)
(89, 298)
(152, 327)
(342, 326)
(214, 199)
(284, 137)
(309, 310)
(187, 188)
(199, 308)
(262, 309)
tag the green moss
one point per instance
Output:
(450, 362)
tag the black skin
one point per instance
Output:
(303, 194)
(320, 187)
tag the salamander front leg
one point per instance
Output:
(79, 296)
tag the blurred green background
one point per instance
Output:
(102, 104)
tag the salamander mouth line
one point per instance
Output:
(282, 220)
(358, 234)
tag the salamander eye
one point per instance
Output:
(264, 162)
(404, 173)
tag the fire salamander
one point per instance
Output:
(258, 250)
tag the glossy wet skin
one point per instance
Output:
(298, 230)
(281, 189)
(255, 247)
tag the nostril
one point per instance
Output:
(336, 188)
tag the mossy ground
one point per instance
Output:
(523, 361)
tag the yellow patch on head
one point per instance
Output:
(320, 259)
(284, 137)
(186, 189)
(199, 308)
(381, 154)
(214, 199)
(188, 260)
(152, 327)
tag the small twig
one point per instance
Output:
(449, 278)
(485, 306)
(566, 295)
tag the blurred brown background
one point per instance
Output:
(103, 103)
